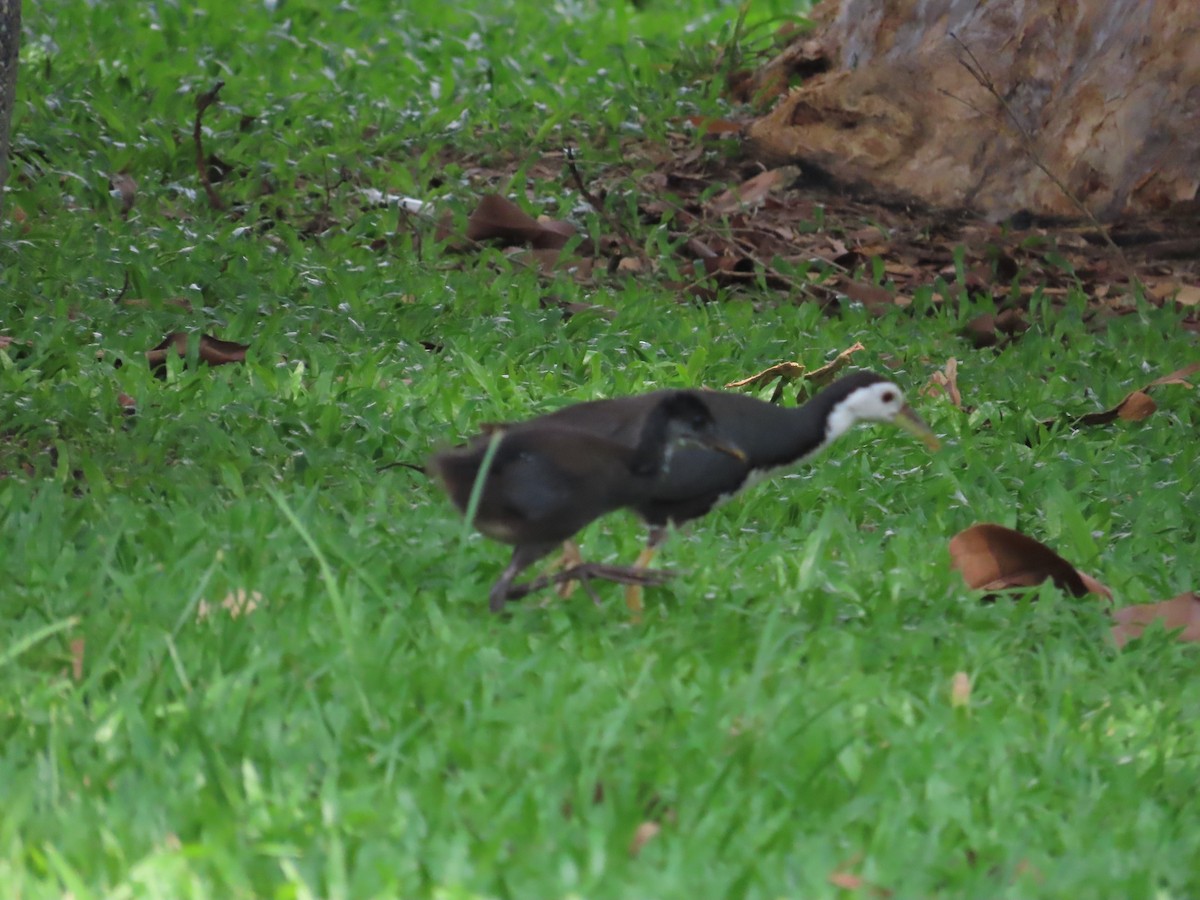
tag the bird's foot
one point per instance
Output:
(585, 572)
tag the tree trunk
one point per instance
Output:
(1038, 105)
(10, 45)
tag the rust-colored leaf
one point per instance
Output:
(1179, 376)
(960, 690)
(754, 191)
(1137, 405)
(645, 833)
(237, 603)
(213, 351)
(826, 373)
(77, 650)
(710, 127)
(123, 187)
(945, 383)
(1182, 611)
(498, 218)
(794, 371)
(789, 370)
(994, 558)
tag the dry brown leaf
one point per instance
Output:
(825, 375)
(1176, 377)
(960, 690)
(843, 878)
(873, 296)
(77, 651)
(945, 382)
(123, 186)
(645, 833)
(1182, 611)
(790, 370)
(1137, 405)
(498, 218)
(213, 351)
(753, 192)
(994, 558)
(1188, 295)
(710, 127)
(847, 881)
(237, 603)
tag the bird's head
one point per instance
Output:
(681, 418)
(869, 398)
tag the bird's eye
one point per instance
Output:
(889, 397)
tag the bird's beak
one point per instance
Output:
(728, 449)
(915, 425)
(708, 442)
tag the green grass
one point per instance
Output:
(369, 730)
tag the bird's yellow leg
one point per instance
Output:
(570, 558)
(633, 593)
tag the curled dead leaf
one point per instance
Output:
(237, 603)
(77, 650)
(1182, 611)
(1136, 405)
(945, 383)
(213, 351)
(789, 370)
(960, 690)
(123, 187)
(498, 218)
(994, 558)
(754, 191)
(645, 833)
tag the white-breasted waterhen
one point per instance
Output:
(547, 480)
(770, 437)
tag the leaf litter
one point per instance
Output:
(993, 558)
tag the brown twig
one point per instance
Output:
(203, 102)
(975, 68)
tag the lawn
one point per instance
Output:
(240, 657)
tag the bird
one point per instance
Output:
(770, 438)
(545, 480)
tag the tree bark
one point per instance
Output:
(1038, 105)
(10, 45)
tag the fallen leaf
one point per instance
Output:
(1135, 407)
(1182, 611)
(753, 192)
(874, 297)
(710, 127)
(1188, 295)
(124, 187)
(790, 370)
(945, 382)
(1176, 377)
(213, 351)
(237, 603)
(825, 375)
(77, 650)
(498, 218)
(645, 833)
(994, 558)
(793, 371)
(847, 881)
(960, 690)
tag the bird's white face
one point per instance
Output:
(879, 402)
